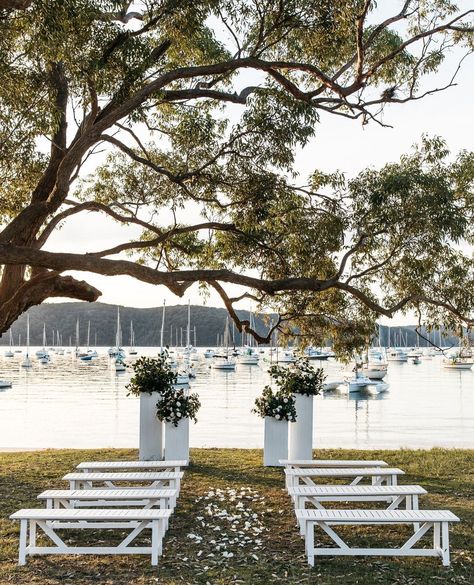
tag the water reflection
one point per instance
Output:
(71, 403)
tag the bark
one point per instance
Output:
(41, 287)
(14, 4)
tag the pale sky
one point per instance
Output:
(340, 144)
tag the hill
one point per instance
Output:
(62, 317)
(208, 321)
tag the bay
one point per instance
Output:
(74, 404)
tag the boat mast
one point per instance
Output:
(27, 335)
(162, 327)
(77, 334)
(188, 332)
(117, 333)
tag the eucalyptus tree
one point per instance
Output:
(202, 105)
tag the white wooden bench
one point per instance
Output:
(395, 495)
(93, 466)
(438, 520)
(308, 475)
(334, 463)
(153, 479)
(49, 520)
(164, 498)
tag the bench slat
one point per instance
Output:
(109, 494)
(124, 476)
(331, 463)
(343, 472)
(382, 516)
(131, 464)
(356, 490)
(111, 514)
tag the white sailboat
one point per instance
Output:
(249, 357)
(27, 362)
(397, 355)
(463, 359)
(42, 354)
(132, 350)
(182, 378)
(224, 361)
(9, 352)
(120, 365)
(376, 365)
(189, 349)
(117, 351)
(89, 354)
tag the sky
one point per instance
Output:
(339, 144)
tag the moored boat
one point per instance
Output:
(460, 360)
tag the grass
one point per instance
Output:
(196, 550)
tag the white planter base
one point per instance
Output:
(177, 440)
(275, 443)
(301, 431)
(151, 429)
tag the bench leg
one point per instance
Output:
(437, 536)
(414, 502)
(155, 539)
(23, 535)
(445, 544)
(32, 533)
(309, 541)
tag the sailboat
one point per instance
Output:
(223, 361)
(462, 358)
(182, 378)
(42, 354)
(117, 351)
(132, 350)
(19, 350)
(27, 362)
(89, 353)
(188, 350)
(120, 365)
(9, 353)
(249, 357)
(77, 351)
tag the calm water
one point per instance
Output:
(74, 404)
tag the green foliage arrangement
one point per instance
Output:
(176, 405)
(152, 375)
(278, 405)
(299, 378)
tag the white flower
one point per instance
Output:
(278, 417)
(178, 404)
(285, 400)
(179, 415)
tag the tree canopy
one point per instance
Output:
(204, 104)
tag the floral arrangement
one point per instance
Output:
(299, 378)
(152, 375)
(177, 405)
(278, 405)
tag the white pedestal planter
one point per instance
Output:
(275, 442)
(151, 429)
(301, 431)
(177, 440)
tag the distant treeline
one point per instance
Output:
(208, 321)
